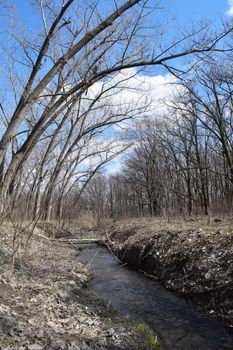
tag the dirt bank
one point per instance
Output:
(46, 303)
(195, 263)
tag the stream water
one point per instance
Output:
(178, 324)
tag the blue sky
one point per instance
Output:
(184, 13)
(185, 10)
(197, 9)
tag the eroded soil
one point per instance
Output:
(194, 262)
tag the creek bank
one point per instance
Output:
(192, 263)
(46, 303)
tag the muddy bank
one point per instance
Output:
(193, 263)
(46, 304)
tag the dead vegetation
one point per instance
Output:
(45, 303)
(189, 258)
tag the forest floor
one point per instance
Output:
(45, 303)
(192, 257)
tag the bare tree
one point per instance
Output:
(64, 61)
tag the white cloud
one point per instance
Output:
(130, 91)
(136, 89)
(126, 93)
(230, 10)
(158, 91)
(114, 166)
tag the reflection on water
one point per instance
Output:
(178, 324)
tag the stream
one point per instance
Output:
(178, 324)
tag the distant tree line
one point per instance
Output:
(182, 161)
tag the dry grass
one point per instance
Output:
(45, 304)
(205, 224)
(86, 220)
